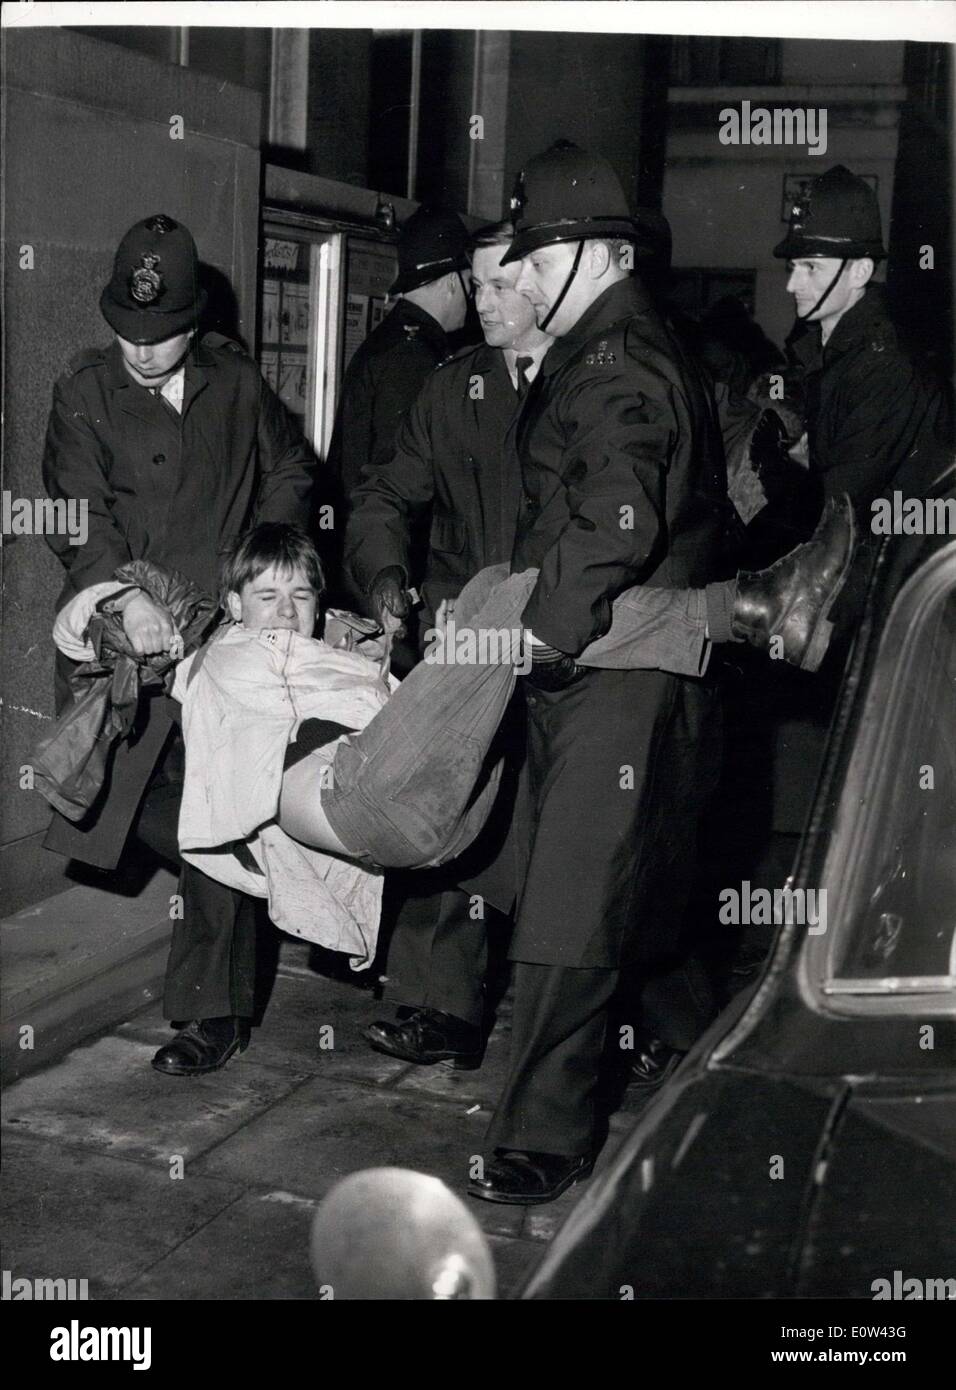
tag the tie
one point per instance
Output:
(521, 365)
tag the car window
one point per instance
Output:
(891, 870)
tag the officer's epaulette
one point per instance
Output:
(89, 357)
(604, 352)
(219, 340)
(882, 336)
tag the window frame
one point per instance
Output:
(862, 793)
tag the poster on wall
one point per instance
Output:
(370, 271)
(286, 307)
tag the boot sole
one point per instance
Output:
(505, 1199)
(461, 1061)
(816, 648)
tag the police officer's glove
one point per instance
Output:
(789, 489)
(551, 669)
(388, 596)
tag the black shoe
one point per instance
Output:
(791, 600)
(525, 1179)
(427, 1036)
(204, 1045)
(654, 1064)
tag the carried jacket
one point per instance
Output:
(383, 379)
(453, 464)
(872, 421)
(70, 760)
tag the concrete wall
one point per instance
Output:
(88, 152)
(724, 202)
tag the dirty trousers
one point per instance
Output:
(413, 788)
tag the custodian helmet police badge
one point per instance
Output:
(154, 292)
(145, 284)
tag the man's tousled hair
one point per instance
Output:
(273, 543)
(494, 234)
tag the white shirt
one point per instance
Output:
(172, 390)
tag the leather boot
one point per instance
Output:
(202, 1046)
(791, 600)
(427, 1036)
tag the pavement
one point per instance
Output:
(153, 1187)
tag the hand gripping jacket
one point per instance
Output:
(70, 762)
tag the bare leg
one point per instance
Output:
(301, 814)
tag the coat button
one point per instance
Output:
(159, 458)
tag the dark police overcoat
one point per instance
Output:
(624, 483)
(174, 488)
(452, 463)
(383, 379)
(873, 422)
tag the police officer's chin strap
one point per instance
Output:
(802, 318)
(567, 285)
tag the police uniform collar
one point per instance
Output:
(412, 315)
(622, 300)
(866, 319)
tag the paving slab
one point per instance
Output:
(326, 1129)
(72, 1213)
(481, 1087)
(317, 1024)
(257, 1249)
(107, 1097)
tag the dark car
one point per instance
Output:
(807, 1146)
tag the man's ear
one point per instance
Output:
(600, 258)
(234, 605)
(863, 269)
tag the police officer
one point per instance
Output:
(872, 421)
(177, 445)
(453, 464)
(624, 482)
(389, 368)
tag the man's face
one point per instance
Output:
(152, 364)
(276, 599)
(809, 278)
(507, 317)
(542, 278)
